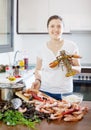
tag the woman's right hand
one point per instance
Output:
(36, 84)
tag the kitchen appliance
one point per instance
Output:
(82, 83)
(7, 91)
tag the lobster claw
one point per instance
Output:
(76, 56)
(70, 73)
(54, 64)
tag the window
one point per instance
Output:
(6, 25)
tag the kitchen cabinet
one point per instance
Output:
(76, 14)
(33, 15)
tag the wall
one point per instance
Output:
(31, 43)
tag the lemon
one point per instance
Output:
(11, 78)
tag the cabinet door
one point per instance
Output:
(76, 13)
(32, 16)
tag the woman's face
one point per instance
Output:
(55, 28)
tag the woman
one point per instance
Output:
(53, 81)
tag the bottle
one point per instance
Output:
(26, 60)
(7, 71)
(26, 63)
(21, 64)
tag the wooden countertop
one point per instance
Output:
(84, 124)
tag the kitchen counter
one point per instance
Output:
(24, 74)
(84, 124)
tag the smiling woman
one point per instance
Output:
(6, 25)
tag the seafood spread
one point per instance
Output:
(64, 59)
(62, 110)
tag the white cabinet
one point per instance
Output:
(76, 13)
(33, 14)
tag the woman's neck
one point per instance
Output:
(55, 45)
(56, 42)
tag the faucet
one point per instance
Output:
(15, 56)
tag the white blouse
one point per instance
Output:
(54, 79)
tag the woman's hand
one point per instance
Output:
(36, 84)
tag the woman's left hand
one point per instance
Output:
(36, 85)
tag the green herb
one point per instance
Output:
(13, 117)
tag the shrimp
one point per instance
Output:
(55, 116)
(22, 110)
(73, 118)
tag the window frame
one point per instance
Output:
(9, 47)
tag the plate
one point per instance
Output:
(73, 98)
